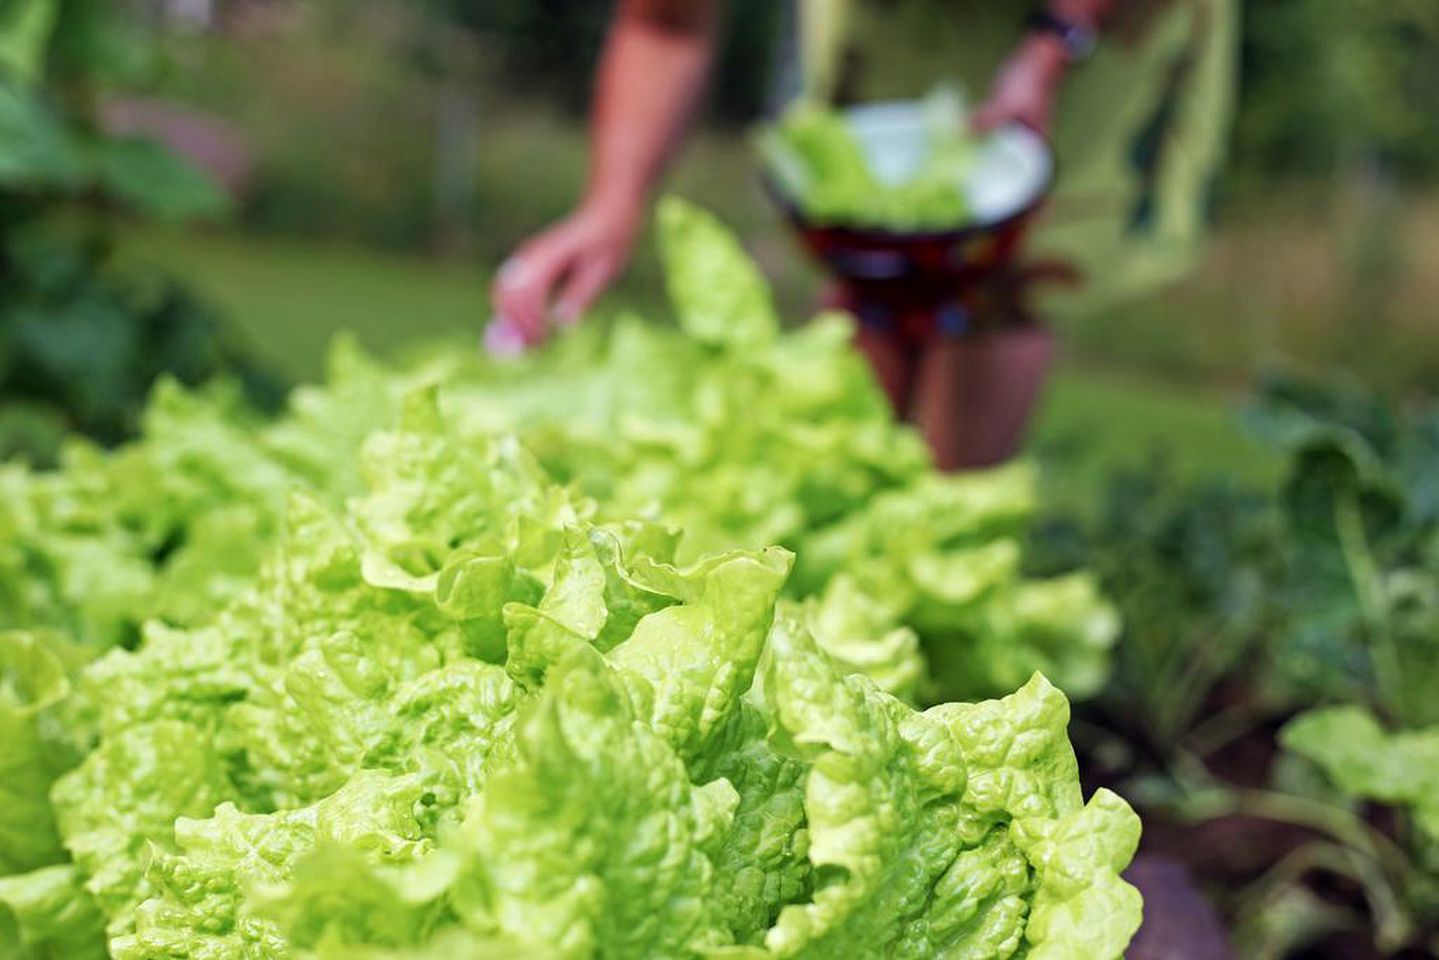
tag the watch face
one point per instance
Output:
(1080, 42)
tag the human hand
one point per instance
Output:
(1025, 88)
(555, 276)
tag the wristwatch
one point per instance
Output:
(1079, 39)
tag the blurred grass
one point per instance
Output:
(289, 297)
(1333, 279)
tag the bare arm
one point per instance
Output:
(650, 79)
(1027, 86)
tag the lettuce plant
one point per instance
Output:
(465, 714)
(433, 666)
(747, 435)
(740, 433)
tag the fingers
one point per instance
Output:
(989, 117)
(558, 275)
(525, 285)
(590, 277)
(502, 340)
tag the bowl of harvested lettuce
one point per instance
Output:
(891, 189)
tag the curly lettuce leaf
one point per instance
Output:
(1367, 762)
(200, 903)
(48, 915)
(32, 680)
(589, 836)
(126, 797)
(718, 293)
(928, 831)
(1023, 771)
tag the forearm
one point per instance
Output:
(1047, 50)
(651, 77)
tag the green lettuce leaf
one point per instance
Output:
(719, 295)
(125, 798)
(1368, 762)
(47, 915)
(32, 680)
(199, 904)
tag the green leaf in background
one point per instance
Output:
(52, 915)
(152, 181)
(816, 159)
(25, 27)
(32, 680)
(1343, 444)
(82, 351)
(37, 151)
(99, 40)
(1368, 762)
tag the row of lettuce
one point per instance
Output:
(617, 652)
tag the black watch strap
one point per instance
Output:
(1079, 39)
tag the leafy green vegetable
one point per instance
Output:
(814, 156)
(382, 678)
(46, 915)
(738, 434)
(332, 764)
(1360, 505)
(784, 438)
(1242, 610)
(32, 680)
(1368, 762)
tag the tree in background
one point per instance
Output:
(1331, 85)
(82, 338)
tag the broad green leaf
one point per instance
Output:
(1368, 762)
(719, 295)
(153, 181)
(25, 28)
(36, 150)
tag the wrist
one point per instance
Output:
(1048, 54)
(617, 204)
(1074, 26)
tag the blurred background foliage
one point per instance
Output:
(382, 156)
(1332, 84)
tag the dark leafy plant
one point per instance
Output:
(1273, 687)
(1188, 564)
(1331, 82)
(81, 338)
